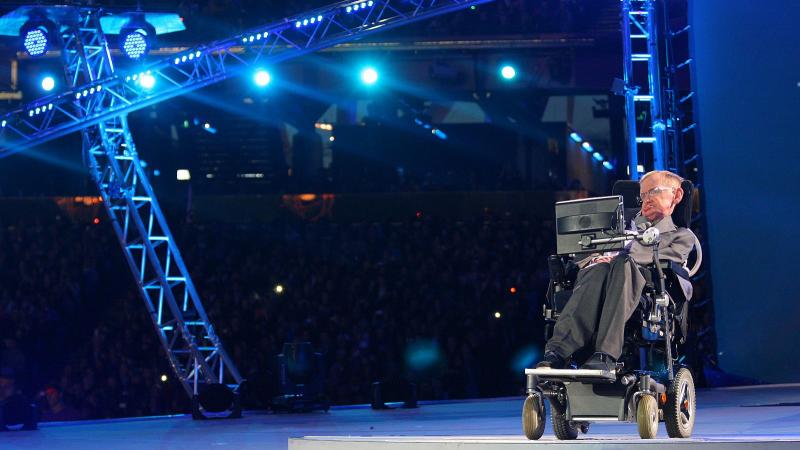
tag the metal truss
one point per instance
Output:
(683, 157)
(646, 31)
(121, 93)
(194, 350)
(649, 48)
(640, 45)
(97, 105)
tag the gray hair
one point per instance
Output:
(666, 176)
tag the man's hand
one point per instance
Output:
(602, 259)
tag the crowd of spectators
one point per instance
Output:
(366, 295)
(453, 306)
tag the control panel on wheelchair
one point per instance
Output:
(647, 384)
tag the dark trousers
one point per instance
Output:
(603, 299)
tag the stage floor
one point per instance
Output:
(730, 417)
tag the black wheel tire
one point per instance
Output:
(564, 429)
(647, 416)
(533, 417)
(681, 407)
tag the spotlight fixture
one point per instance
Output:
(262, 78)
(147, 81)
(508, 72)
(48, 83)
(137, 37)
(37, 34)
(369, 76)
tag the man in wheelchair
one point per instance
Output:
(634, 372)
(609, 286)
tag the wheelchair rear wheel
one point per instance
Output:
(681, 405)
(533, 417)
(647, 416)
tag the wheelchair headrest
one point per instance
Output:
(629, 190)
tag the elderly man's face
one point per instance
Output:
(658, 197)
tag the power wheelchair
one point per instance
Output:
(649, 383)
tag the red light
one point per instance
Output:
(513, 290)
(96, 221)
(418, 214)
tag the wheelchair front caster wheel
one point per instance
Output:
(681, 405)
(647, 417)
(533, 417)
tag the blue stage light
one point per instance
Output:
(597, 156)
(439, 134)
(262, 78)
(576, 138)
(423, 355)
(508, 72)
(588, 147)
(369, 76)
(147, 81)
(608, 165)
(134, 43)
(137, 37)
(48, 83)
(35, 40)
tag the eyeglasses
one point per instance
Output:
(655, 192)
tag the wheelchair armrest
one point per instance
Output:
(679, 270)
(671, 266)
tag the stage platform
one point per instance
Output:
(746, 417)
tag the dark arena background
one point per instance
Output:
(304, 225)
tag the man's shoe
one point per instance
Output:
(552, 360)
(600, 361)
